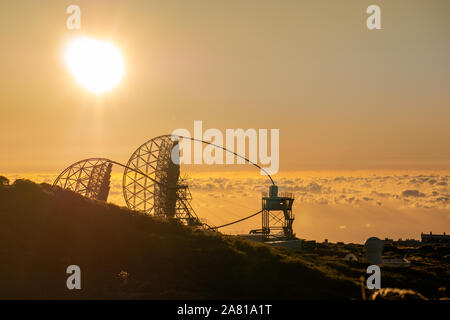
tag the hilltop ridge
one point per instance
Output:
(125, 254)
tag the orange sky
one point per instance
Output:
(344, 98)
(341, 95)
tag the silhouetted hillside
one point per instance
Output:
(124, 254)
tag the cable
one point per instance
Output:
(159, 183)
(135, 170)
(242, 157)
(223, 148)
(228, 224)
(105, 160)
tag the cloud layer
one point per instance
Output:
(339, 207)
(418, 191)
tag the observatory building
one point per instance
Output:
(374, 250)
(435, 238)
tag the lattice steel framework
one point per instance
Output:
(166, 194)
(152, 184)
(90, 178)
(277, 216)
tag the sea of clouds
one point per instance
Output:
(346, 207)
(418, 191)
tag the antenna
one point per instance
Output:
(152, 184)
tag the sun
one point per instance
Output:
(96, 65)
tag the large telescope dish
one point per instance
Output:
(89, 177)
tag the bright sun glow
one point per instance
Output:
(97, 65)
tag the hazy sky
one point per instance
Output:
(342, 96)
